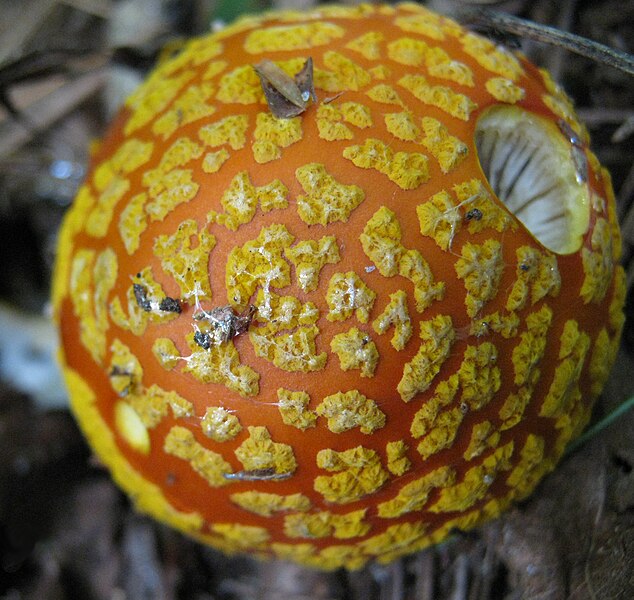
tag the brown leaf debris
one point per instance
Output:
(286, 96)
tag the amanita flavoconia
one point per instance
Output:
(336, 336)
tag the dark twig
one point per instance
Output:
(549, 35)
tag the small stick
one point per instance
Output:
(550, 35)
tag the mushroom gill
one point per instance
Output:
(537, 173)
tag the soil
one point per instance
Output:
(67, 532)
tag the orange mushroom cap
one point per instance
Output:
(337, 336)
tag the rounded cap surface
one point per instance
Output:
(336, 336)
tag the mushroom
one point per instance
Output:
(337, 333)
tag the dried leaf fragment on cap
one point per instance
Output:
(286, 96)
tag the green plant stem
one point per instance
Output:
(601, 425)
(229, 10)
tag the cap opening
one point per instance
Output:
(537, 173)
